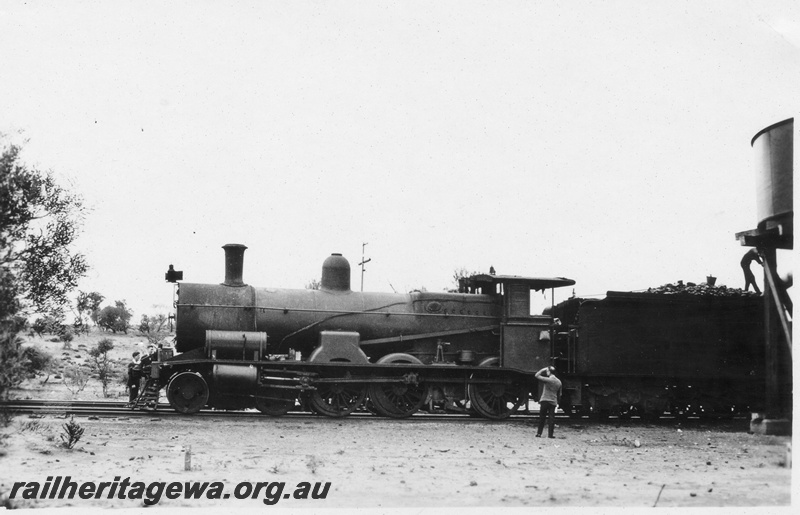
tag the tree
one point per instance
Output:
(38, 361)
(460, 280)
(39, 222)
(115, 318)
(154, 328)
(313, 284)
(88, 305)
(47, 324)
(102, 363)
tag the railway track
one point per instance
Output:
(119, 409)
(109, 409)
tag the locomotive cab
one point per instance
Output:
(525, 338)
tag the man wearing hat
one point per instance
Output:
(551, 394)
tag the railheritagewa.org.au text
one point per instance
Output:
(64, 487)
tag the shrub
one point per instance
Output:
(48, 324)
(37, 360)
(102, 363)
(72, 433)
(39, 326)
(75, 379)
(67, 338)
(13, 369)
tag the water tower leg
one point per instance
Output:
(777, 359)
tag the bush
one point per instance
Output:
(102, 363)
(13, 369)
(48, 324)
(75, 379)
(39, 327)
(67, 337)
(37, 360)
(72, 433)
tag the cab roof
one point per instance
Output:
(534, 283)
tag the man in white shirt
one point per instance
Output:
(551, 394)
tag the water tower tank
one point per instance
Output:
(773, 148)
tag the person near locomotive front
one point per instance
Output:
(148, 358)
(147, 361)
(750, 256)
(134, 376)
(551, 395)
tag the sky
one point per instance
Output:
(606, 142)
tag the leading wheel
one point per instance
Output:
(187, 392)
(496, 401)
(337, 399)
(401, 399)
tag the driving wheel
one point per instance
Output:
(399, 399)
(496, 401)
(337, 399)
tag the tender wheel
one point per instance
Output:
(601, 414)
(573, 412)
(398, 400)
(651, 415)
(496, 401)
(187, 392)
(267, 404)
(625, 412)
(568, 408)
(578, 412)
(337, 400)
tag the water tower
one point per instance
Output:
(773, 149)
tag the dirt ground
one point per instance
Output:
(374, 463)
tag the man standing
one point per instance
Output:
(749, 278)
(551, 394)
(134, 376)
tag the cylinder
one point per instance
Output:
(235, 378)
(234, 264)
(773, 149)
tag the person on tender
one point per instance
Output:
(750, 256)
(551, 395)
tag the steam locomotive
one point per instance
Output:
(335, 350)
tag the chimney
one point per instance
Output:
(234, 264)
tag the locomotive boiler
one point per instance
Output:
(335, 350)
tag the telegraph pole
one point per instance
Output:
(363, 262)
